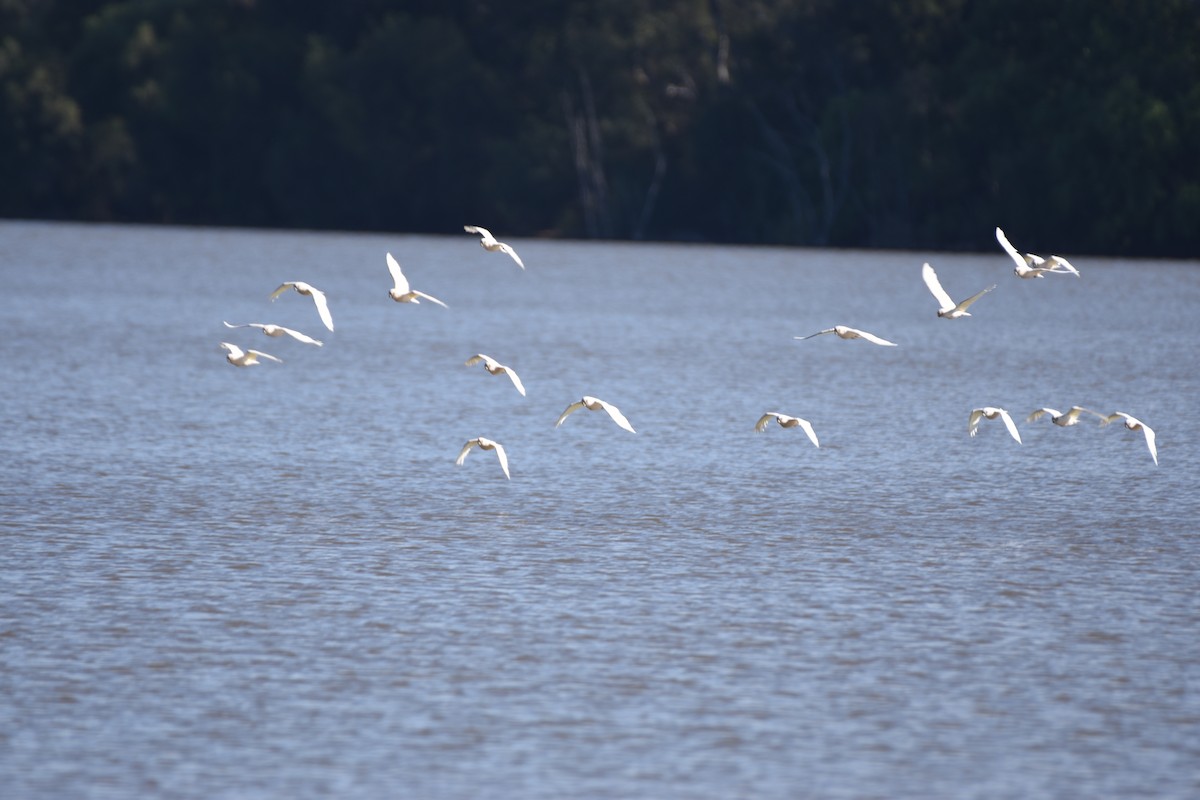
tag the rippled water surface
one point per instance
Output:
(275, 582)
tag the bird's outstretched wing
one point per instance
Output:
(616, 415)
(1034, 416)
(1133, 423)
(1012, 251)
(511, 373)
(504, 248)
(1077, 411)
(1008, 423)
(1060, 264)
(397, 275)
(430, 298)
(935, 288)
(808, 428)
(973, 421)
(870, 337)
(299, 337)
(818, 333)
(475, 359)
(483, 232)
(1146, 429)
(283, 287)
(322, 308)
(965, 304)
(783, 419)
(568, 411)
(261, 354)
(462, 454)
(502, 457)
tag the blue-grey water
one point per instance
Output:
(275, 582)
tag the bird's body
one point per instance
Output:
(402, 292)
(786, 421)
(991, 412)
(309, 291)
(278, 330)
(1135, 424)
(946, 307)
(246, 358)
(844, 332)
(1071, 417)
(485, 444)
(596, 404)
(496, 368)
(1030, 265)
(489, 243)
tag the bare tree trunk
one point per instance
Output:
(801, 156)
(660, 171)
(584, 128)
(833, 187)
(721, 56)
(782, 160)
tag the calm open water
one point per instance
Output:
(275, 582)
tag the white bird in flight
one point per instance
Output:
(1060, 419)
(991, 413)
(850, 333)
(496, 368)
(310, 291)
(946, 307)
(485, 444)
(787, 422)
(402, 292)
(596, 404)
(489, 243)
(1030, 265)
(246, 358)
(1135, 424)
(277, 330)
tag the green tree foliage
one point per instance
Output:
(870, 123)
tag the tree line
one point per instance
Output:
(924, 124)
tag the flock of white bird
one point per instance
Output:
(1028, 265)
(402, 292)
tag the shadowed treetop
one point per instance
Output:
(872, 124)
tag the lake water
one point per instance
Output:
(275, 582)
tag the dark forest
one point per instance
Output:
(1075, 125)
